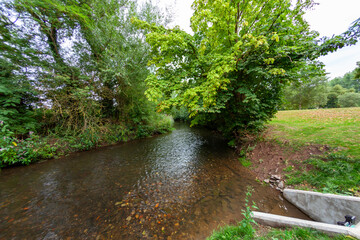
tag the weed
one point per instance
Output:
(301, 234)
(334, 174)
(288, 169)
(245, 162)
(244, 229)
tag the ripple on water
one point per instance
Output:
(179, 185)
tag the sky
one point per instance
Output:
(328, 18)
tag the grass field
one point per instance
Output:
(338, 171)
(338, 128)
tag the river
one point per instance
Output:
(179, 185)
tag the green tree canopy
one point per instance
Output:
(85, 61)
(230, 73)
(16, 92)
(349, 99)
(349, 80)
(357, 72)
(310, 93)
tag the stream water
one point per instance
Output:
(180, 185)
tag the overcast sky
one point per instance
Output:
(328, 18)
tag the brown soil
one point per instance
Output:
(270, 157)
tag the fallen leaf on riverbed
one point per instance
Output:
(118, 203)
(128, 218)
(157, 205)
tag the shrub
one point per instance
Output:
(15, 151)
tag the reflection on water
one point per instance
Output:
(179, 185)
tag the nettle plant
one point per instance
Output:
(231, 71)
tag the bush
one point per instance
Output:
(349, 100)
(15, 151)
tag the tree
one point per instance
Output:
(333, 96)
(357, 72)
(349, 37)
(16, 92)
(349, 80)
(349, 100)
(230, 73)
(90, 66)
(311, 93)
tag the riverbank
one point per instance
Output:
(179, 185)
(15, 151)
(309, 149)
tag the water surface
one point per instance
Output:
(179, 185)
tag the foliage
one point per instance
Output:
(312, 93)
(180, 114)
(89, 59)
(349, 80)
(349, 100)
(16, 151)
(337, 128)
(357, 72)
(334, 174)
(316, 92)
(229, 74)
(71, 69)
(16, 92)
(349, 37)
(157, 125)
(333, 96)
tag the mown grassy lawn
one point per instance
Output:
(337, 128)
